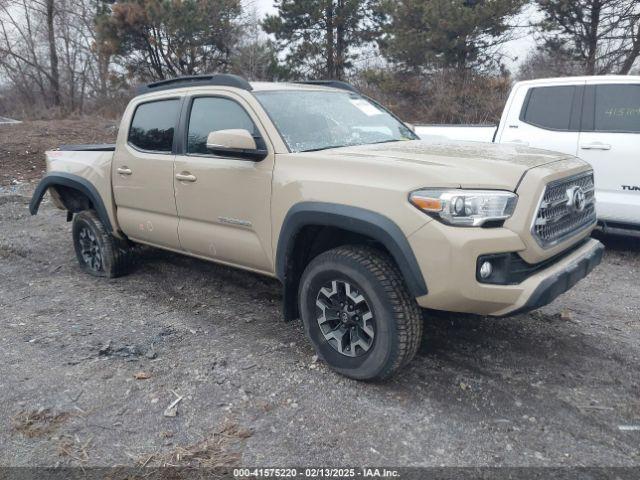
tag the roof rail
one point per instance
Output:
(331, 83)
(218, 79)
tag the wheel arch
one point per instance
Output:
(65, 184)
(362, 223)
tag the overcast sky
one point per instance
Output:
(516, 50)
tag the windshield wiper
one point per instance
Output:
(353, 145)
(325, 148)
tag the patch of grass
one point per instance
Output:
(220, 450)
(8, 250)
(73, 448)
(38, 423)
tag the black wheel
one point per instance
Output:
(99, 253)
(358, 313)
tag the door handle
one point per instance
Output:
(185, 177)
(596, 146)
(124, 171)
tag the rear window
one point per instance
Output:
(549, 107)
(153, 125)
(617, 108)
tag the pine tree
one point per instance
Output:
(157, 39)
(321, 38)
(460, 34)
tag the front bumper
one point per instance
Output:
(564, 280)
(448, 264)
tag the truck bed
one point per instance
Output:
(95, 147)
(87, 168)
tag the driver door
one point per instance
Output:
(223, 202)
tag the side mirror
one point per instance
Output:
(235, 143)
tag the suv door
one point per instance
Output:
(224, 202)
(142, 174)
(549, 118)
(610, 142)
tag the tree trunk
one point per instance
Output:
(632, 56)
(53, 54)
(340, 43)
(329, 36)
(592, 38)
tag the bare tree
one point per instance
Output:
(602, 35)
(542, 63)
(255, 55)
(48, 53)
(54, 74)
(24, 30)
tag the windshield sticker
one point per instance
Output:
(365, 107)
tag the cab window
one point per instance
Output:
(153, 125)
(210, 114)
(617, 108)
(549, 107)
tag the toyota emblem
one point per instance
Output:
(576, 199)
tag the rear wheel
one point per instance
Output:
(358, 313)
(99, 253)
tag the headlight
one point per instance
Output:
(465, 208)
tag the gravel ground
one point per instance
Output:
(91, 365)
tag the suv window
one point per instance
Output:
(210, 114)
(549, 107)
(153, 125)
(617, 108)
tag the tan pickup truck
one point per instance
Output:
(326, 190)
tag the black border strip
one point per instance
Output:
(71, 181)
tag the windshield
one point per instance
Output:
(318, 120)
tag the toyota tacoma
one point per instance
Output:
(324, 189)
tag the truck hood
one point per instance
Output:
(481, 165)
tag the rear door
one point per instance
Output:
(224, 204)
(610, 142)
(142, 174)
(548, 118)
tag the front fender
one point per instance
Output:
(356, 220)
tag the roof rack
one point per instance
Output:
(331, 83)
(218, 79)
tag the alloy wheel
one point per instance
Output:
(90, 249)
(345, 318)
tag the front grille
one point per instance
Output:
(559, 214)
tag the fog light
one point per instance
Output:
(486, 270)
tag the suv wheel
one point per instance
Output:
(99, 253)
(358, 313)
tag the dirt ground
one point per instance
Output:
(22, 145)
(90, 367)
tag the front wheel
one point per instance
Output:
(358, 313)
(99, 253)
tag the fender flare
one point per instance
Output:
(70, 181)
(356, 220)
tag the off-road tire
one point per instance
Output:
(115, 255)
(396, 315)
